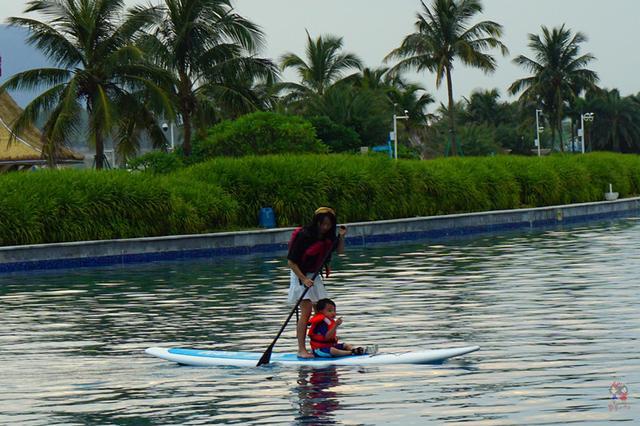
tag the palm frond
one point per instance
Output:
(54, 44)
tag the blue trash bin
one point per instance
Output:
(267, 218)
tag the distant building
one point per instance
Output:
(24, 151)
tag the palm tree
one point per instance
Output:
(210, 51)
(402, 95)
(617, 121)
(443, 34)
(372, 78)
(98, 67)
(324, 66)
(485, 107)
(364, 110)
(559, 73)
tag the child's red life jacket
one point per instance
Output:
(320, 341)
(318, 250)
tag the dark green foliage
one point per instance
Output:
(366, 111)
(478, 139)
(259, 133)
(513, 138)
(616, 126)
(407, 152)
(227, 193)
(157, 162)
(337, 137)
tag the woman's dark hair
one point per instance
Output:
(314, 227)
(322, 303)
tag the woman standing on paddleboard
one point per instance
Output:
(307, 249)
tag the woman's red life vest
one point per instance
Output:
(317, 250)
(320, 341)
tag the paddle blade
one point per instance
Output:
(266, 356)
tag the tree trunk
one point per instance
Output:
(47, 147)
(452, 115)
(99, 150)
(187, 106)
(560, 133)
(573, 138)
(97, 136)
(615, 140)
(559, 120)
(186, 126)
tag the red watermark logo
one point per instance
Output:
(619, 391)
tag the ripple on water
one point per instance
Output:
(555, 313)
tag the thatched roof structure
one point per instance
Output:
(25, 150)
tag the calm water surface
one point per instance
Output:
(555, 312)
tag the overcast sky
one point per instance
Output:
(372, 28)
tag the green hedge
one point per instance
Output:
(73, 205)
(227, 193)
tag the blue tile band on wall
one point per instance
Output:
(141, 250)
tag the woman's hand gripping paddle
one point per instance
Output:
(266, 356)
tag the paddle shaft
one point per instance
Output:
(266, 356)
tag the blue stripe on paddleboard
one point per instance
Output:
(254, 356)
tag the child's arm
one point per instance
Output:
(331, 333)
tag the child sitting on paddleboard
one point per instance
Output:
(323, 333)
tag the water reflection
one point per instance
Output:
(317, 398)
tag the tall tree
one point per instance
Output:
(211, 52)
(325, 65)
(485, 107)
(444, 34)
(616, 125)
(559, 72)
(98, 67)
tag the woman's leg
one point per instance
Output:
(301, 328)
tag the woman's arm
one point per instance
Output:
(302, 277)
(342, 232)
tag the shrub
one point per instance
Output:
(259, 133)
(157, 162)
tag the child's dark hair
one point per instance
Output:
(322, 303)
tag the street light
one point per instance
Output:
(539, 129)
(395, 130)
(587, 116)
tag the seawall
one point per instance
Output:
(112, 252)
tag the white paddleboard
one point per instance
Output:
(204, 358)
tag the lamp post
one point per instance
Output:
(539, 129)
(395, 130)
(587, 116)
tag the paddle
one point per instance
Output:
(266, 356)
